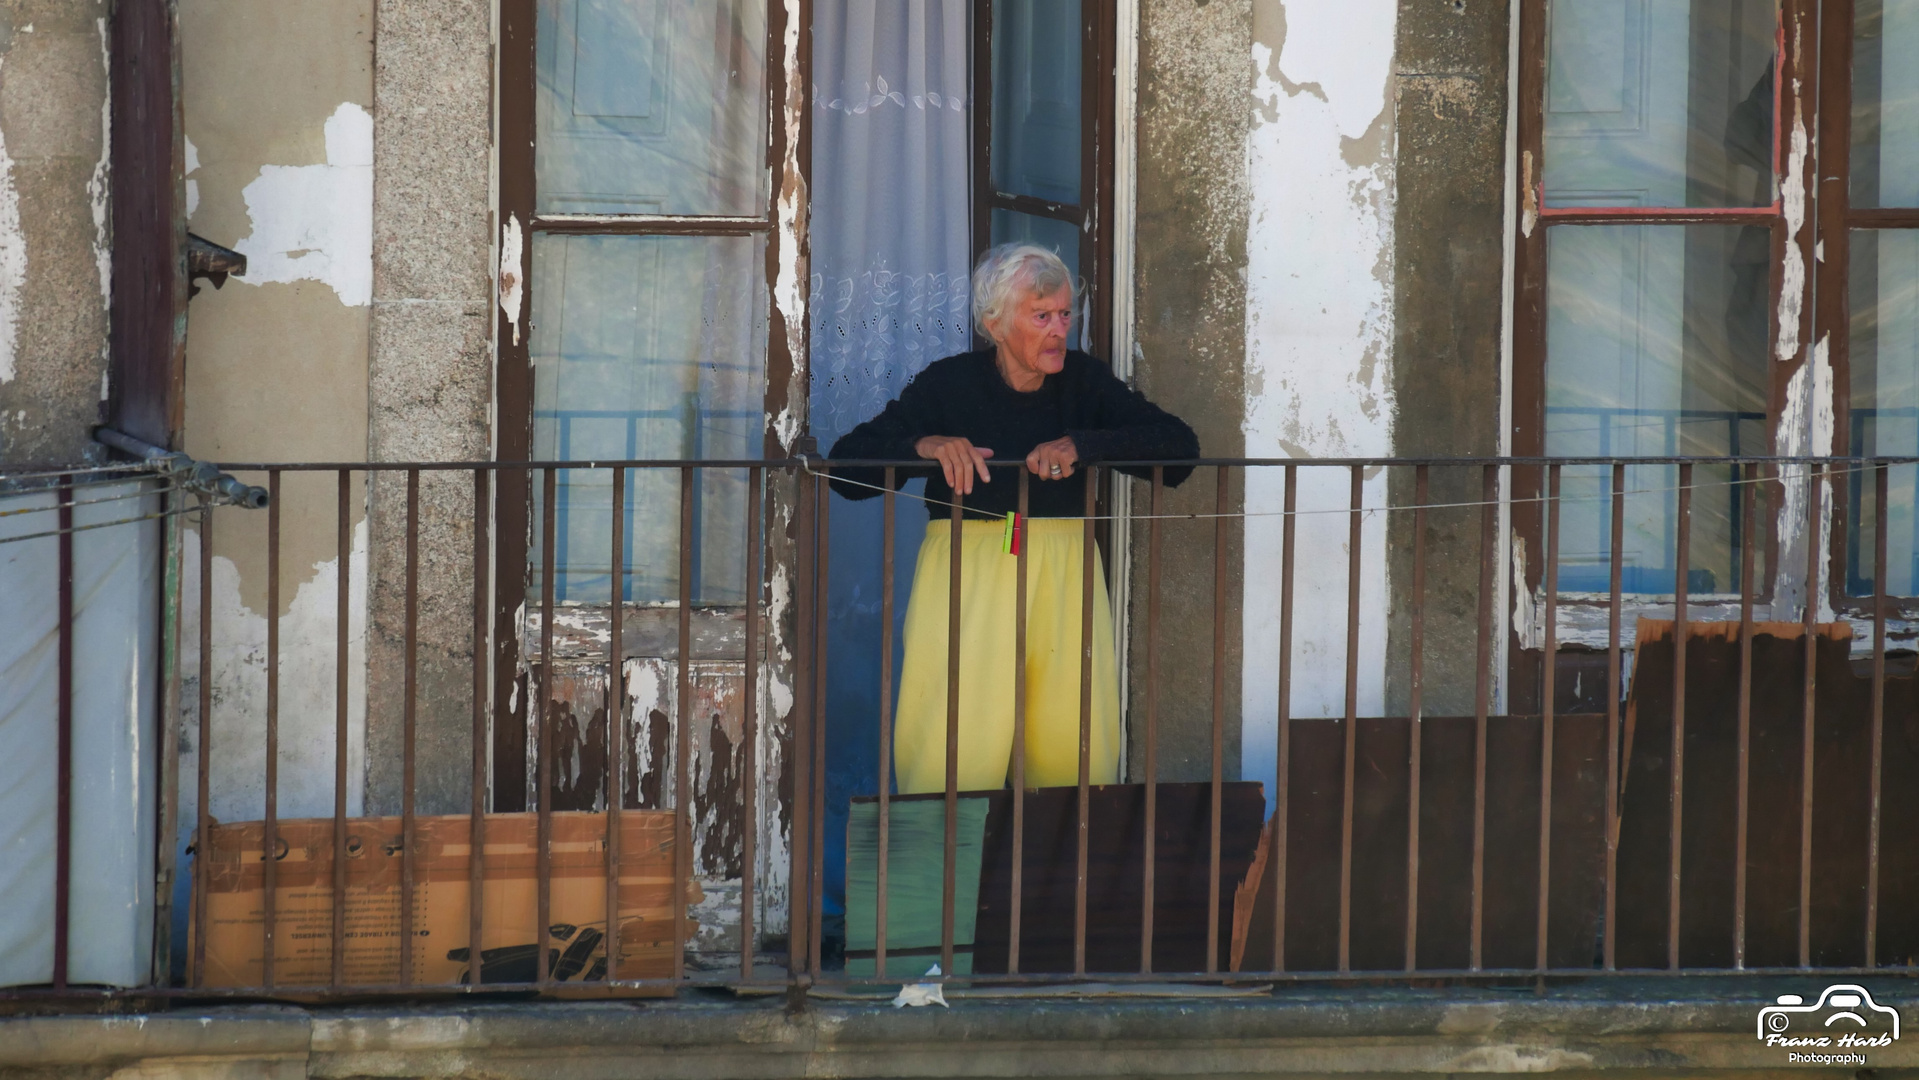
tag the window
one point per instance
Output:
(642, 178)
(1042, 154)
(1716, 255)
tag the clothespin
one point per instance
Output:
(1014, 532)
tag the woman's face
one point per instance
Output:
(1032, 338)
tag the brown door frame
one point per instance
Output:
(782, 221)
(1797, 89)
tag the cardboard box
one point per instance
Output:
(303, 910)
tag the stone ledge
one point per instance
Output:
(1657, 1027)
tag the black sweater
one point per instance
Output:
(965, 396)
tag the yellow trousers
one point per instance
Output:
(989, 579)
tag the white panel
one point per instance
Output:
(116, 623)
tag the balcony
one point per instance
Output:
(1698, 786)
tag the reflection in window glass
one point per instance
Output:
(1659, 103)
(1885, 103)
(651, 107)
(1884, 419)
(1036, 84)
(647, 347)
(1063, 238)
(1655, 345)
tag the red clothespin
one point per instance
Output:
(1015, 531)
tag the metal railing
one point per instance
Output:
(1500, 844)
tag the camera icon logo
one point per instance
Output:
(1841, 1008)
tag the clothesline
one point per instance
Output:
(1364, 510)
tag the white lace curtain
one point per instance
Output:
(891, 223)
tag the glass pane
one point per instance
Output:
(647, 347)
(1884, 353)
(1659, 103)
(1036, 81)
(651, 107)
(1655, 345)
(1885, 103)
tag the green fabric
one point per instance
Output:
(915, 873)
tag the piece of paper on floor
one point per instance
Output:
(922, 993)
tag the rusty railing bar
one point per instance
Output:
(1682, 562)
(1088, 556)
(543, 724)
(682, 732)
(1548, 687)
(408, 720)
(922, 468)
(1814, 481)
(800, 862)
(750, 729)
(203, 752)
(1878, 711)
(1149, 885)
(889, 510)
(344, 517)
(1415, 711)
(63, 775)
(599, 990)
(1615, 574)
(476, 821)
(821, 612)
(1748, 542)
(1017, 889)
(1482, 699)
(616, 720)
(950, 844)
(1350, 722)
(1282, 786)
(270, 831)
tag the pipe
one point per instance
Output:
(192, 475)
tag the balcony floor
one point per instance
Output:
(1663, 1027)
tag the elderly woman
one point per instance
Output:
(1028, 397)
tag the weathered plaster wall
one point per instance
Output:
(1190, 311)
(54, 246)
(1448, 257)
(1319, 343)
(280, 166)
(429, 378)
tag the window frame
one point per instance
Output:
(1094, 216)
(1796, 89)
(1836, 219)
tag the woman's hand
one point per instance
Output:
(958, 458)
(1053, 460)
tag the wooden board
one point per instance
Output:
(303, 907)
(1842, 758)
(1115, 885)
(915, 883)
(1379, 866)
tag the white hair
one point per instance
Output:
(1006, 271)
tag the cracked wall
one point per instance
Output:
(1190, 328)
(1449, 248)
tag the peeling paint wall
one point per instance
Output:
(54, 243)
(1319, 340)
(277, 101)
